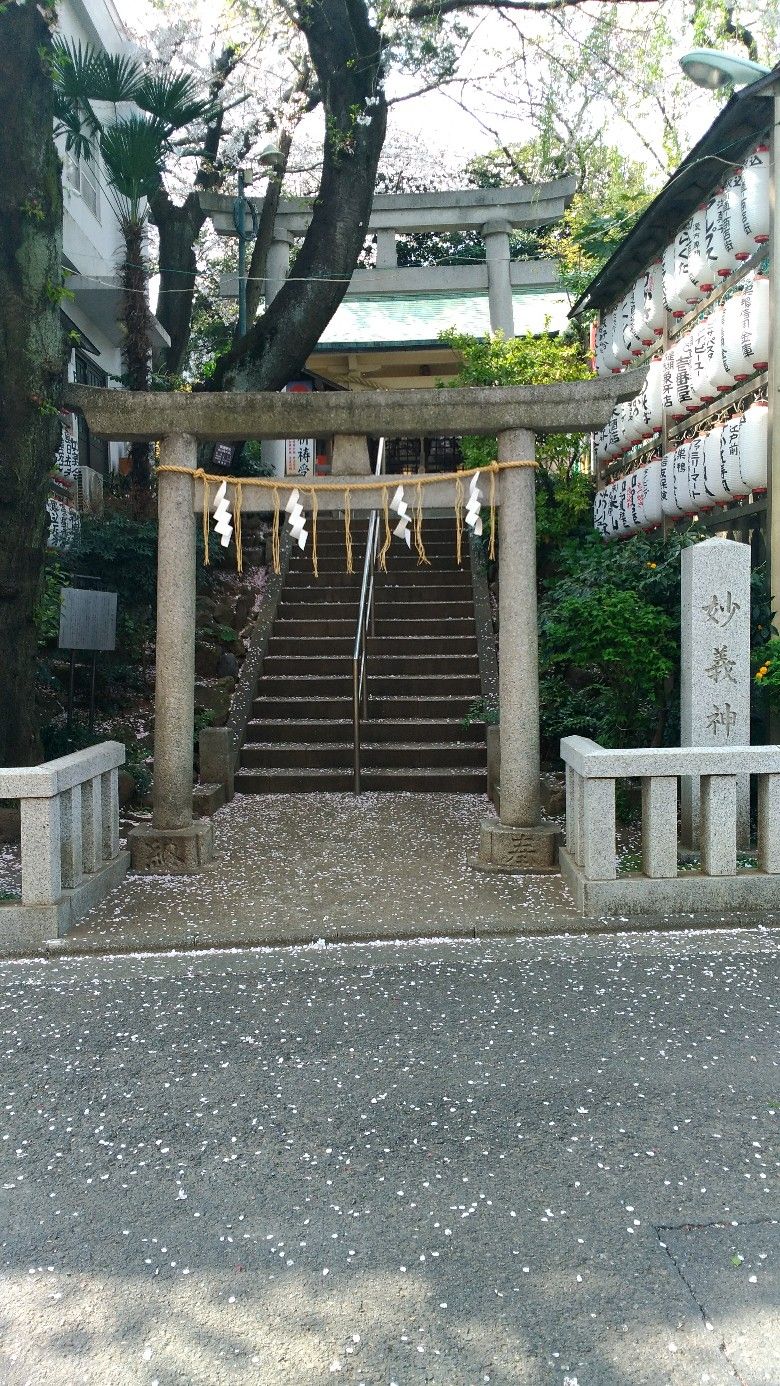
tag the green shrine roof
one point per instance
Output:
(387, 320)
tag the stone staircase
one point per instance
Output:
(423, 675)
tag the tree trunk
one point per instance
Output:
(346, 51)
(136, 320)
(179, 228)
(32, 357)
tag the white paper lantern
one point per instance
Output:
(669, 505)
(732, 484)
(693, 496)
(680, 491)
(719, 238)
(654, 307)
(612, 516)
(721, 368)
(755, 178)
(748, 198)
(605, 356)
(683, 378)
(634, 504)
(703, 351)
(732, 358)
(754, 446)
(652, 397)
(714, 489)
(636, 316)
(687, 260)
(619, 345)
(668, 381)
(752, 345)
(672, 285)
(600, 512)
(649, 486)
(615, 436)
(700, 272)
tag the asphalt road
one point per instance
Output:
(517, 1162)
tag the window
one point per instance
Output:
(89, 188)
(82, 175)
(93, 452)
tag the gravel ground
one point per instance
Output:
(518, 1161)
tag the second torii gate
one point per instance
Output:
(518, 840)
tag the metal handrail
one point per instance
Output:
(365, 624)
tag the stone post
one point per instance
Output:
(715, 665)
(174, 842)
(277, 268)
(518, 841)
(277, 265)
(496, 236)
(386, 250)
(349, 456)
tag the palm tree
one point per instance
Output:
(115, 105)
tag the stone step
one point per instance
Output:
(427, 780)
(333, 549)
(297, 607)
(333, 780)
(292, 781)
(389, 595)
(394, 708)
(374, 755)
(379, 665)
(297, 755)
(326, 643)
(402, 730)
(283, 706)
(299, 708)
(389, 685)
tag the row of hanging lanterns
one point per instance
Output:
(726, 464)
(708, 248)
(724, 348)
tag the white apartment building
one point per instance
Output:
(92, 249)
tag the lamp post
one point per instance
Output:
(270, 157)
(240, 208)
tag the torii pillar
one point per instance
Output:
(518, 840)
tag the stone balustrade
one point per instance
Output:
(70, 842)
(589, 862)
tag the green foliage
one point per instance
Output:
(133, 151)
(122, 553)
(47, 612)
(609, 630)
(766, 670)
(524, 360)
(203, 718)
(249, 461)
(59, 293)
(564, 502)
(135, 763)
(480, 712)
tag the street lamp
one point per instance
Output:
(271, 157)
(708, 68)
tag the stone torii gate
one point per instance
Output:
(518, 840)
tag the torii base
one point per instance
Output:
(171, 851)
(518, 851)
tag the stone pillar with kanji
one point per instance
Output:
(715, 665)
